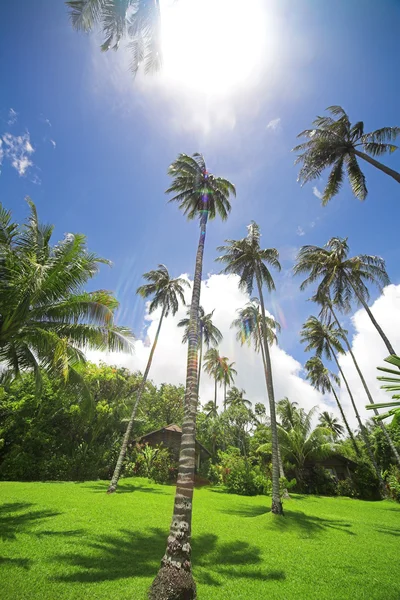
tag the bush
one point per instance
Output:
(393, 482)
(239, 475)
(321, 482)
(345, 487)
(366, 482)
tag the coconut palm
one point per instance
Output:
(200, 195)
(136, 21)
(226, 374)
(212, 366)
(336, 143)
(209, 409)
(321, 379)
(287, 412)
(209, 334)
(326, 340)
(299, 440)
(331, 423)
(166, 293)
(248, 325)
(327, 312)
(247, 259)
(47, 320)
(341, 278)
(235, 397)
(392, 384)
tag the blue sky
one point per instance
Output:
(114, 138)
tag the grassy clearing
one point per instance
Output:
(72, 541)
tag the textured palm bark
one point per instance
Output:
(174, 580)
(366, 388)
(378, 165)
(374, 321)
(118, 467)
(362, 428)
(276, 507)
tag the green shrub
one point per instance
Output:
(366, 482)
(345, 487)
(321, 482)
(240, 476)
(393, 482)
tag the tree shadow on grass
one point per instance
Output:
(17, 517)
(25, 563)
(309, 526)
(138, 553)
(101, 488)
(395, 531)
(247, 510)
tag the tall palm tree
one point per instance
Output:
(321, 379)
(209, 334)
(212, 366)
(326, 340)
(328, 311)
(226, 374)
(335, 143)
(200, 195)
(329, 421)
(166, 292)
(249, 329)
(247, 259)
(136, 21)
(235, 397)
(343, 279)
(287, 412)
(47, 320)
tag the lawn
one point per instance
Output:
(71, 541)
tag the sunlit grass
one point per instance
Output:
(72, 541)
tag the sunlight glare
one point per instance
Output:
(212, 46)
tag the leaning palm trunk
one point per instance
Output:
(174, 580)
(378, 165)
(382, 426)
(276, 500)
(349, 431)
(374, 321)
(362, 428)
(117, 471)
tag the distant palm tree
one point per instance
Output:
(327, 340)
(226, 374)
(47, 320)
(247, 259)
(209, 409)
(249, 328)
(212, 366)
(343, 279)
(321, 379)
(287, 412)
(166, 294)
(200, 195)
(329, 421)
(138, 21)
(335, 143)
(209, 334)
(235, 397)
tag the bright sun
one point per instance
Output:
(212, 46)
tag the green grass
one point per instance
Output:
(64, 541)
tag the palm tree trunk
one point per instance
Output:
(175, 579)
(117, 471)
(215, 395)
(349, 431)
(224, 395)
(362, 428)
(276, 508)
(378, 165)
(374, 321)
(382, 426)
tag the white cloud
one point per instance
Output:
(17, 149)
(12, 116)
(219, 292)
(300, 231)
(370, 350)
(274, 124)
(53, 143)
(316, 192)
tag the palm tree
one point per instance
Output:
(209, 409)
(392, 384)
(329, 421)
(235, 397)
(212, 366)
(208, 333)
(299, 440)
(226, 374)
(327, 311)
(167, 293)
(249, 328)
(247, 259)
(287, 411)
(343, 279)
(47, 320)
(200, 195)
(326, 340)
(335, 143)
(321, 379)
(139, 21)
